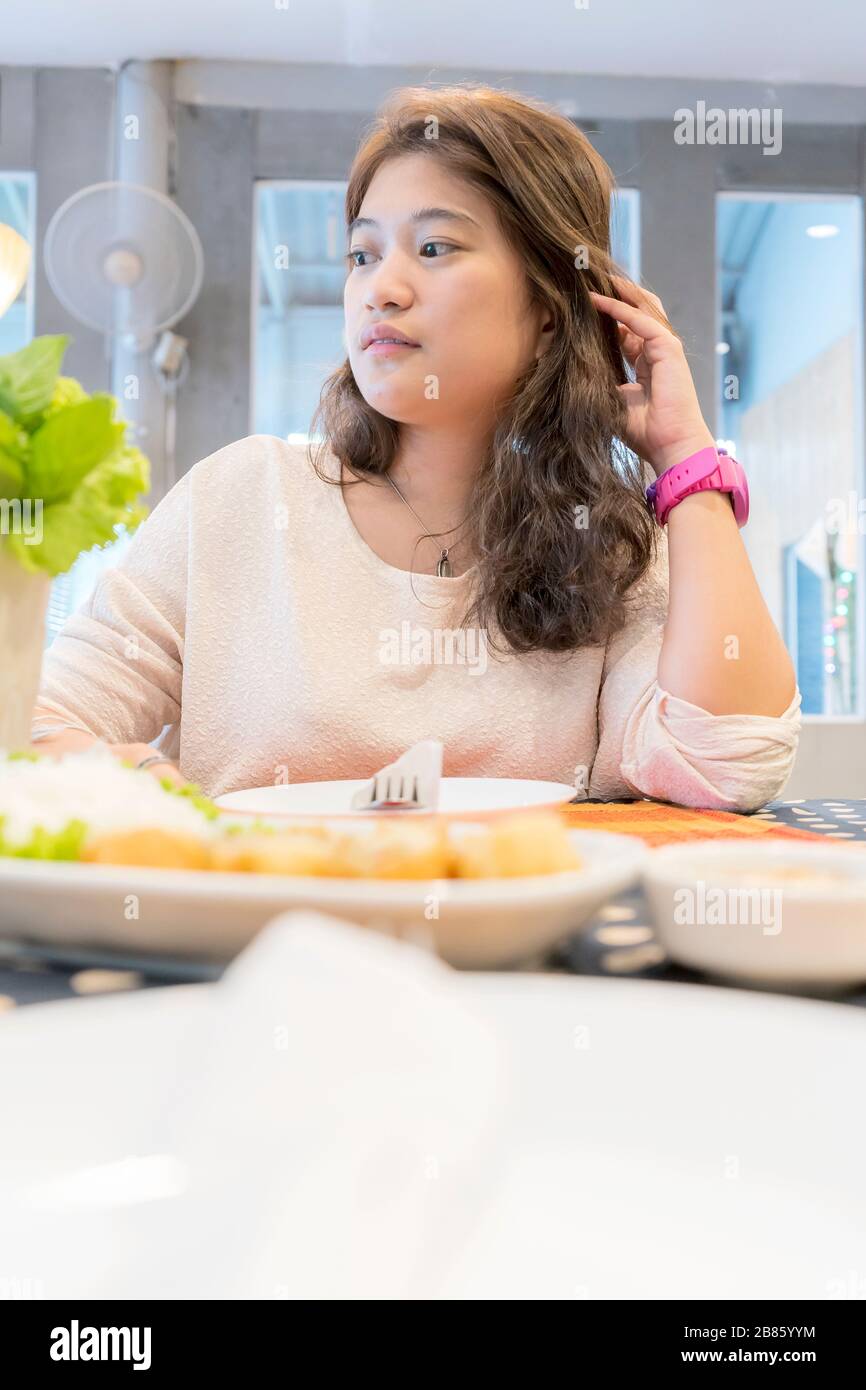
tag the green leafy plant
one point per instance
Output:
(66, 451)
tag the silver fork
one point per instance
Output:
(392, 790)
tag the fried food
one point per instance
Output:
(532, 842)
(152, 849)
(513, 846)
(394, 851)
(283, 852)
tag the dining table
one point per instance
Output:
(609, 1124)
(619, 941)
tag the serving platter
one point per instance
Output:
(209, 915)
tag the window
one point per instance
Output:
(298, 277)
(69, 591)
(790, 390)
(625, 230)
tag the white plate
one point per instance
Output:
(196, 913)
(457, 796)
(709, 916)
(659, 1141)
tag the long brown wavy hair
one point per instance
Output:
(549, 578)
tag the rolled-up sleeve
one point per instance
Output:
(652, 743)
(115, 669)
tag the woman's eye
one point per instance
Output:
(350, 255)
(446, 244)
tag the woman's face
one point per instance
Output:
(450, 283)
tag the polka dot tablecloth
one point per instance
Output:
(838, 820)
(619, 941)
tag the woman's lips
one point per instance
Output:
(384, 349)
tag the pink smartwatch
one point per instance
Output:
(708, 468)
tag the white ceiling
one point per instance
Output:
(761, 40)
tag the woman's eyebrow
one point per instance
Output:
(420, 215)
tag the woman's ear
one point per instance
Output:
(545, 333)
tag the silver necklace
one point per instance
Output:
(443, 565)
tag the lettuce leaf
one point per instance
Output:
(67, 391)
(103, 502)
(47, 844)
(69, 445)
(194, 793)
(14, 453)
(65, 451)
(27, 376)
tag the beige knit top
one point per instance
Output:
(252, 631)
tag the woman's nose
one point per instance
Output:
(389, 284)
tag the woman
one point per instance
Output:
(470, 554)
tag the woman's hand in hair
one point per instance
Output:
(665, 423)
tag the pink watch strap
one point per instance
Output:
(709, 468)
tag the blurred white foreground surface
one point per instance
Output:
(344, 1116)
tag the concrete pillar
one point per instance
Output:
(678, 245)
(142, 147)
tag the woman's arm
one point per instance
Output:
(721, 649)
(75, 740)
(114, 672)
(654, 743)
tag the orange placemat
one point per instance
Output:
(656, 823)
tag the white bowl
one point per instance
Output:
(732, 909)
(209, 915)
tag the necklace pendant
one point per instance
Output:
(443, 567)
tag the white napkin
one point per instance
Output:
(340, 1138)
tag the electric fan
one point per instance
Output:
(125, 260)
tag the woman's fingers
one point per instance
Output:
(167, 770)
(71, 741)
(644, 324)
(630, 344)
(637, 295)
(137, 752)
